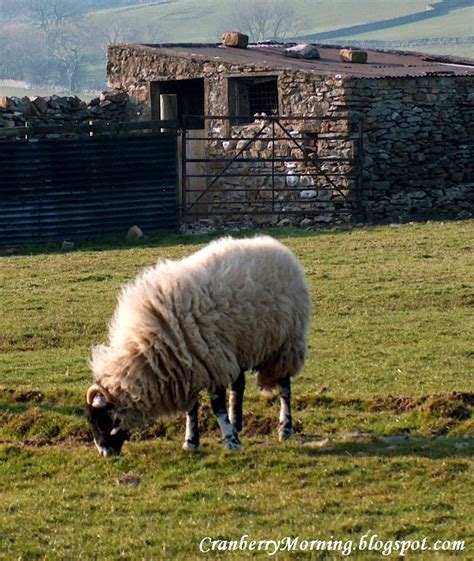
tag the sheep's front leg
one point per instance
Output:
(191, 439)
(236, 402)
(229, 432)
(285, 427)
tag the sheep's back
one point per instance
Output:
(229, 307)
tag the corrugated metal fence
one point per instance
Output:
(53, 189)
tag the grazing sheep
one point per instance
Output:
(200, 323)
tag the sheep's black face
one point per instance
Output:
(108, 436)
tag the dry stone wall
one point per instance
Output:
(418, 146)
(416, 162)
(417, 141)
(63, 110)
(295, 186)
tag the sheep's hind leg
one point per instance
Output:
(236, 402)
(285, 426)
(229, 432)
(191, 440)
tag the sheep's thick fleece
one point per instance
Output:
(197, 323)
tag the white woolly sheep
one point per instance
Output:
(198, 324)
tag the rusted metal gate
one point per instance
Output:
(86, 181)
(271, 165)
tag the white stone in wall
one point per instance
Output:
(308, 194)
(307, 181)
(292, 179)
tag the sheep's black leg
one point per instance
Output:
(284, 428)
(191, 440)
(229, 432)
(236, 401)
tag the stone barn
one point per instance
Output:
(309, 134)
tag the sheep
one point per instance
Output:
(196, 324)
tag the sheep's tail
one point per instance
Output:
(266, 382)
(287, 362)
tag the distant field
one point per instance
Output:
(458, 23)
(9, 88)
(383, 409)
(205, 20)
(30, 91)
(463, 50)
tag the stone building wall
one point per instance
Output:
(418, 146)
(417, 141)
(133, 70)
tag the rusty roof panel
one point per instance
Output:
(380, 64)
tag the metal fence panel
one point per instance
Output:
(272, 165)
(56, 189)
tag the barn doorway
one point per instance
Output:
(186, 95)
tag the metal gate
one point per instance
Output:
(87, 181)
(271, 165)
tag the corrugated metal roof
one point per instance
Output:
(380, 64)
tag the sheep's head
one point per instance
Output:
(108, 435)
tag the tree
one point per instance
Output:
(67, 45)
(265, 19)
(24, 54)
(9, 9)
(117, 29)
(48, 13)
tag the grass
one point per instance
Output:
(463, 50)
(383, 409)
(19, 90)
(458, 23)
(205, 20)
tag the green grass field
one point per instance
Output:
(458, 23)
(205, 20)
(382, 410)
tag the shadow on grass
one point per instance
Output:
(165, 239)
(170, 239)
(393, 446)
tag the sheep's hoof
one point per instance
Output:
(190, 446)
(233, 444)
(284, 434)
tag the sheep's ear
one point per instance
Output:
(97, 397)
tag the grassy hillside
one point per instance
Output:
(382, 410)
(204, 20)
(458, 23)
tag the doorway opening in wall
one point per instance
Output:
(251, 95)
(181, 97)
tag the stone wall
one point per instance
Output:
(418, 146)
(417, 141)
(133, 69)
(63, 110)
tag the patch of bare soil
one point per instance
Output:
(454, 405)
